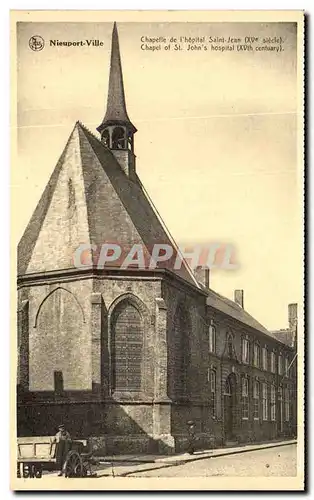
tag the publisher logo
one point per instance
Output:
(36, 43)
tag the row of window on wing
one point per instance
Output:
(117, 138)
(260, 355)
(257, 393)
(261, 398)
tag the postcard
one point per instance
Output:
(157, 217)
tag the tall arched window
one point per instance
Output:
(212, 380)
(182, 350)
(127, 348)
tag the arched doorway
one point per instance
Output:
(229, 395)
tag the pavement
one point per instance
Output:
(198, 455)
(127, 465)
(277, 462)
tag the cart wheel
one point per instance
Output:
(73, 466)
(38, 472)
(26, 470)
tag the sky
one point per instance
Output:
(216, 144)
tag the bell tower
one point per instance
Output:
(116, 130)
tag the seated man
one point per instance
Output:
(63, 440)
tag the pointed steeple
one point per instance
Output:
(116, 113)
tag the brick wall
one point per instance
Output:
(68, 325)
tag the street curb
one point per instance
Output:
(165, 465)
(233, 452)
(194, 458)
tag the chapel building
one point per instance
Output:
(126, 357)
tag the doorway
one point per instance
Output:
(229, 406)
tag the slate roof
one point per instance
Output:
(116, 107)
(232, 309)
(108, 207)
(284, 335)
(89, 199)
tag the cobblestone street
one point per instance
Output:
(280, 461)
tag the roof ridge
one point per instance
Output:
(230, 301)
(86, 129)
(80, 128)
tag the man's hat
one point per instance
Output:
(190, 422)
(61, 426)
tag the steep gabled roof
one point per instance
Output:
(89, 199)
(232, 309)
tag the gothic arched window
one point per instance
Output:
(182, 351)
(213, 391)
(227, 387)
(118, 138)
(127, 347)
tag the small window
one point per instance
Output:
(272, 403)
(256, 355)
(212, 338)
(287, 367)
(227, 388)
(264, 358)
(287, 405)
(245, 350)
(280, 393)
(273, 362)
(280, 367)
(245, 398)
(265, 401)
(230, 346)
(256, 400)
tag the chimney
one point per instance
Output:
(238, 298)
(292, 316)
(202, 275)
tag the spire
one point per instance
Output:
(116, 113)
